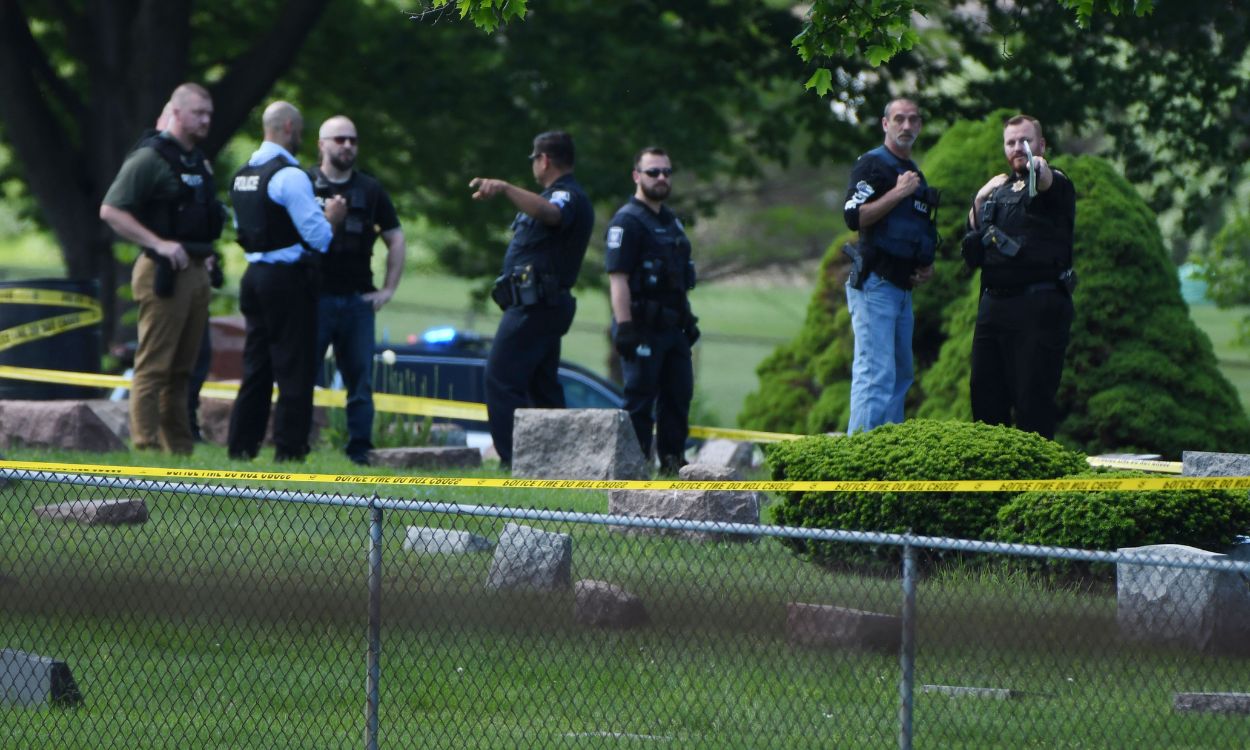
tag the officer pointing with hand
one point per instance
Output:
(649, 273)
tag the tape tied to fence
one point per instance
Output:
(87, 312)
(1130, 484)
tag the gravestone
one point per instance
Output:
(730, 453)
(64, 425)
(600, 604)
(32, 680)
(1208, 610)
(427, 457)
(576, 444)
(96, 512)
(723, 506)
(530, 558)
(432, 541)
(842, 627)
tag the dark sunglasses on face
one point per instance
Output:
(532, 157)
(657, 171)
(341, 139)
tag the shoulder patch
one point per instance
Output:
(560, 197)
(863, 191)
(615, 235)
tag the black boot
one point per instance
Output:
(671, 465)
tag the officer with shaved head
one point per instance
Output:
(349, 298)
(284, 233)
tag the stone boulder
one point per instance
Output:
(96, 512)
(1208, 464)
(64, 425)
(429, 457)
(1207, 610)
(425, 540)
(576, 444)
(730, 453)
(722, 506)
(841, 627)
(530, 558)
(1212, 703)
(215, 421)
(115, 414)
(32, 680)
(599, 604)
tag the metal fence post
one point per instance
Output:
(907, 658)
(375, 626)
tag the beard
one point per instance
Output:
(657, 192)
(344, 162)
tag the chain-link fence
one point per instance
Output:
(234, 617)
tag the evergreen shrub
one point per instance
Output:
(1112, 519)
(912, 451)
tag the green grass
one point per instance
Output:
(238, 623)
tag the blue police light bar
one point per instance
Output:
(443, 335)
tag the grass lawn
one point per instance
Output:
(227, 623)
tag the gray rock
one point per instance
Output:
(66, 425)
(841, 627)
(1212, 703)
(431, 541)
(956, 691)
(96, 512)
(427, 457)
(731, 453)
(529, 558)
(600, 604)
(32, 680)
(215, 422)
(1203, 609)
(115, 414)
(1208, 464)
(448, 434)
(576, 444)
(723, 506)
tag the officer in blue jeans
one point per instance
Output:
(349, 300)
(893, 210)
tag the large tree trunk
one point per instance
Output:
(70, 135)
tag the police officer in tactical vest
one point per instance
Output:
(349, 299)
(649, 274)
(164, 200)
(1020, 234)
(550, 234)
(284, 233)
(894, 211)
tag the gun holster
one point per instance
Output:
(163, 283)
(1005, 244)
(861, 257)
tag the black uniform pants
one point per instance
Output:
(279, 303)
(1017, 358)
(523, 366)
(658, 391)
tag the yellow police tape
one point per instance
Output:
(1133, 484)
(384, 402)
(89, 312)
(1135, 464)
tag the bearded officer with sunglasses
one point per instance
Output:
(649, 274)
(349, 300)
(550, 234)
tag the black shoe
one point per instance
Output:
(670, 466)
(360, 459)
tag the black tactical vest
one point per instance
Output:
(1043, 233)
(263, 224)
(665, 271)
(345, 267)
(195, 215)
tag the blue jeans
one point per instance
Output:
(881, 318)
(346, 321)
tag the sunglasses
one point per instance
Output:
(532, 157)
(341, 139)
(657, 171)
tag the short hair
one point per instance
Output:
(652, 150)
(278, 114)
(556, 144)
(885, 113)
(1017, 119)
(179, 97)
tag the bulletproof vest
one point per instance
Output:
(908, 231)
(1045, 248)
(357, 233)
(195, 215)
(552, 250)
(665, 271)
(263, 224)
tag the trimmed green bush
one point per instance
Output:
(1206, 519)
(915, 450)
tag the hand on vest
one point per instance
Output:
(336, 210)
(626, 340)
(921, 275)
(693, 333)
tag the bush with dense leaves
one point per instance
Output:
(1112, 519)
(914, 450)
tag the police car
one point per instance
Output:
(449, 364)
